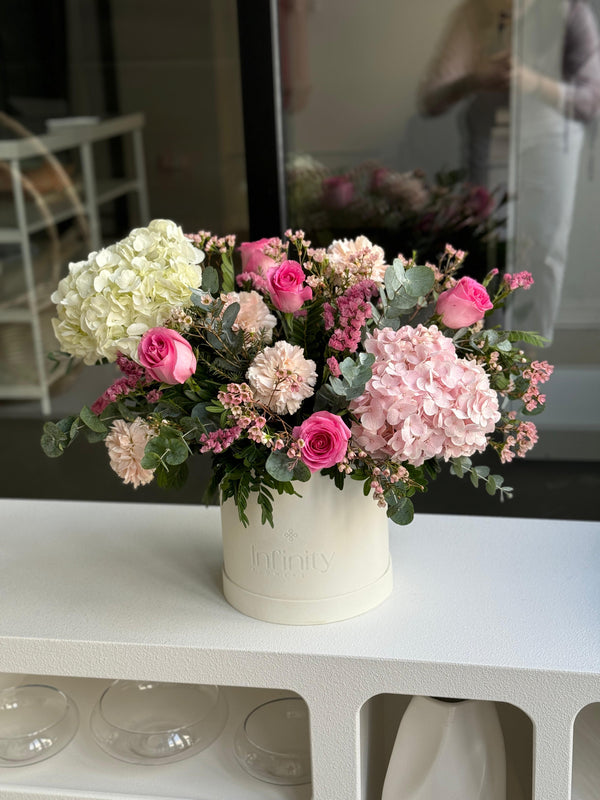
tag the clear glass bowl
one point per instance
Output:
(36, 722)
(156, 723)
(273, 742)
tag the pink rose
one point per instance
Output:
(480, 203)
(167, 356)
(379, 178)
(325, 437)
(286, 286)
(254, 258)
(464, 304)
(338, 192)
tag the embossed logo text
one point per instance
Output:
(282, 562)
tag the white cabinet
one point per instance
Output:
(25, 212)
(486, 608)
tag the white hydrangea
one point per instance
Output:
(106, 304)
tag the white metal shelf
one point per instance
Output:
(21, 217)
(487, 608)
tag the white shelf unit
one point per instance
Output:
(485, 608)
(21, 218)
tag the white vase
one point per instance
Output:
(326, 559)
(447, 751)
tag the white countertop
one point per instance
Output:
(89, 577)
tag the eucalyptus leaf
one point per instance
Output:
(210, 280)
(402, 512)
(91, 420)
(230, 315)
(419, 281)
(53, 441)
(284, 469)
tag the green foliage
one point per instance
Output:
(401, 510)
(210, 280)
(168, 449)
(57, 436)
(228, 274)
(528, 337)
(284, 469)
(493, 483)
(172, 477)
(351, 384)
(403, 290)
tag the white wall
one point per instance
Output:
(366, 59)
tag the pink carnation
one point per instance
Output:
(254, 316)
(422, 400)
(126, 443)
(282, 378)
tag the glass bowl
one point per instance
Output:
(36, 722)
(273, 742)
(156, 723)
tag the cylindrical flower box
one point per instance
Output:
(326, 559)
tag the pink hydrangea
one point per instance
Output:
(422, 400)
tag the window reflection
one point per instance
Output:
(471, 122)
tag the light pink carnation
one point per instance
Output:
(422, 400)
(254, 315)
(126, 443)
(354, 260)
(282, 378)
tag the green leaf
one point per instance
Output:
(173, 477)
(419, 281)
(230, 315)
(529, 337)
(214, 341)
(210, 280)
(166, 450)
(402, 512)
(394, 277)
(284, 469)
(228, 273)
(91, 420)
(459, 466)
(53, 440)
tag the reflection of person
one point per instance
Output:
(559, 89)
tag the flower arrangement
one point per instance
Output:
(309, 360)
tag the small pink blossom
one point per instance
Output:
(518, 280)
(464, 304)
(354, 309)
(325, 439)
(134, 376)
(334, 366)
(219, 440)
